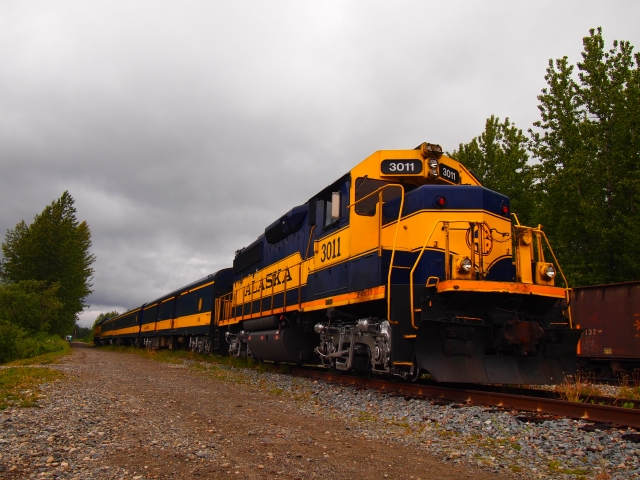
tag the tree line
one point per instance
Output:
(45, 275)
(577, 172)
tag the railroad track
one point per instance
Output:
(592, 412)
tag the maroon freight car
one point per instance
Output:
(609, 316)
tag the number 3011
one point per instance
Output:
(330, 250)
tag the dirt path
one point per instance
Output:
(123, 416)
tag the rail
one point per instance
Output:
(581, 411)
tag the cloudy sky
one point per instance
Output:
(182, 129)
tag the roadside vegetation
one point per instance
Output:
(19, 386)
(20, 380)
(45, 274)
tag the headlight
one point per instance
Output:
(433, 163)
(548, 271)
(465, 265)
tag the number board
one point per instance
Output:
(401, 167)
(448, 173)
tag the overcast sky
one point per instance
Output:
(182, 129)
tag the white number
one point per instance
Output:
(448, 173)
(402, 167)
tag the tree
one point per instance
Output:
(498, 157)
(29, 304)
(54, 249)
(104, 316)
(588, 145)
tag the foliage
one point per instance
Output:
(588, 145)
(104, 316)
(83, 333)
(582, 180)
(54, 249)
(499, 158)
(29, 304)
(16, 343)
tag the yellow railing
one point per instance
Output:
(226, 303)
(447, 269)
(395, 238)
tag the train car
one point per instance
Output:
(180, 319)
(406, 264)
(183, 318)
(609, 316)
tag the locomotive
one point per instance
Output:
(404, 265)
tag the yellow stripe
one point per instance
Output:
(197, 320)
(500, 287)
(163, 325)
(125, 331)
(197, 288)
(436, 210)
(351, 298)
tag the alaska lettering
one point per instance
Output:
(270, 280)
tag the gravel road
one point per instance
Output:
(123, 416)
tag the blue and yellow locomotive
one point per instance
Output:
(406, 264)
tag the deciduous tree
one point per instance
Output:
(588, 144)
(498, 157)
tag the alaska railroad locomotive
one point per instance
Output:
(404, 265)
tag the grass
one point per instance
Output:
(19, 386)
(629, 391)
(555, 467)
(20, 380)
(575, 387)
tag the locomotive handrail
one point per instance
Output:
(395, 238)
(415, 265)
(224, 303)
(567, 289)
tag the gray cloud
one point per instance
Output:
(182, 130)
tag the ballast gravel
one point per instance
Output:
(122, 416)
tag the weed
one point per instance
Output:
(556, 467)
(628, 405)
(629, 391)
(577, 386)
(515, 468)
(276, 391)
(365, 416)
(19, 385)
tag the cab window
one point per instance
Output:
(365, 186)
